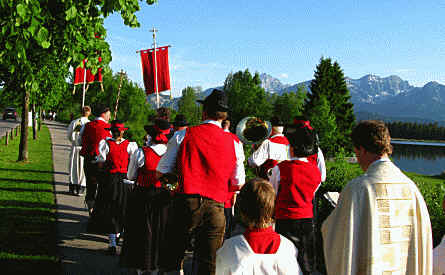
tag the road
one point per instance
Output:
(6, 125)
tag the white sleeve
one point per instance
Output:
(167, 162)
(260, 155)
(321, 164)
(137, 160)
(70, 131)
(275, 178)
(103, 151)
(239, 175)
(132, 148)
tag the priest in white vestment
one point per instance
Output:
(439, 253)
(381, 224)
(77, 175)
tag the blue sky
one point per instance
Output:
(285, 39)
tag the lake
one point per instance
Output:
(427, 158)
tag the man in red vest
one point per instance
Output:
(206, 161)
(91, 134)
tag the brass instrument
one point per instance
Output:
(252, 130)
(169, 181)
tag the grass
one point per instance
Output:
(27, 208)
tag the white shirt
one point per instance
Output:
(439, 258)
(275, 176)
(236, 257)
(137, 160)
(104, 149)
(168, 160)
(269, 150)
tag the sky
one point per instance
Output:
(285, 39)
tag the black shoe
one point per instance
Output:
(81, 191)
(71, 188)
(112, 251)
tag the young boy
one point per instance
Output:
(296, 181)
(260, 250)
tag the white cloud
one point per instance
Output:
(284, 75)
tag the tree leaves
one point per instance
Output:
(22, 11)
(71, 13)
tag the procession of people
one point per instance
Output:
(185, 189)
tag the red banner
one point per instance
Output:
(90, 78)
(162, 70)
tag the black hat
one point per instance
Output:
(276, 121)
(162, 124)
(217, 100)
(180, 121)
(117, 125)
(100, 109)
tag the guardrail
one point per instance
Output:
(10, 135)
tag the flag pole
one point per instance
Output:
(118, 92)
(84, 82)
(156, 67)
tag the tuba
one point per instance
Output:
(252, 130)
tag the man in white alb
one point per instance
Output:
(381, 224)
(77, 176)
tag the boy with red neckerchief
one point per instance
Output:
(295, 181)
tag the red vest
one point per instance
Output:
(206, 161)
(228, 203)
(298, 182)
(313, 158)
(279, 140)
(93, 133)
(117, 158)
(147, 173)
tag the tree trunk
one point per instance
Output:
(23, 148)
(40, 118)
(34, 122)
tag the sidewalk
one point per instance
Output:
(80, 253)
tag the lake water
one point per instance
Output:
(419, 157)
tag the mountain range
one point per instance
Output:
(388, 98)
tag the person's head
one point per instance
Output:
(103, 112)
(277, 125)
(86, 111)
(158, 132)
(371, 141)
(180, 122)
(225, 124)
(215, 106)
(302, 141)
(117, 129)
(163, 113)
(256, 203)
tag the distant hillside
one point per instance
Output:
(391, 98)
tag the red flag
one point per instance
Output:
(80, 73)
(162, 70)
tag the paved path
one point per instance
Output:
(80, 253)
(6, 125)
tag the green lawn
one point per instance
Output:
(27, 208)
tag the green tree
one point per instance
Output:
(289, 105)
(329, 81)
(188, 107)
(246, 96)
(323, 120)
(66, 32)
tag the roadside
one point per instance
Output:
(27, 209)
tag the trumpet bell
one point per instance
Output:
(252, 130)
